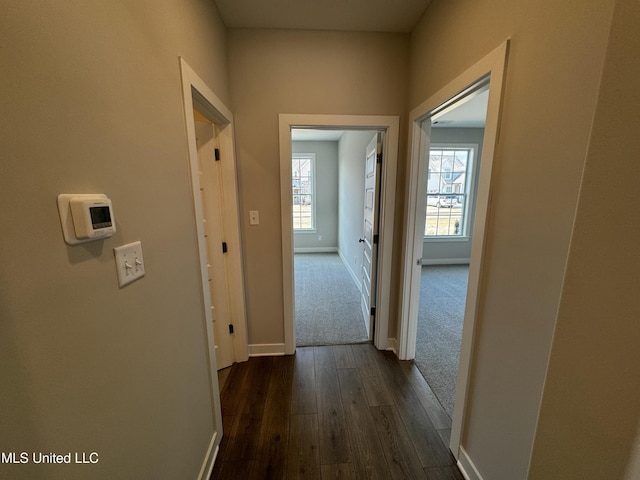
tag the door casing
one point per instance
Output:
(391, 126)
(493, 67)
(196, 92)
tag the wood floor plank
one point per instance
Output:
(344, 356)
(427, 398)
(443, 473)
(233, 470)
(367, 452)
(233, 392)
(227, 425)
(334, 443)
(401, 456)
(303, 397)
(341, 471)
(427, 442)
(271, 459)
(244, 434)
(262, 439)
(445, 435)
(374, 386)
(303, 451)
(223, 374)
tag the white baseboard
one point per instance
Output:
(466, 466)
(350, 270)
(445, 261)
(266, 349)
(392, 344)
(315, 250)
(209, 459)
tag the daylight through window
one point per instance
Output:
(302, 188)
(448, 184)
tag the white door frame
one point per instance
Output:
(195, 91)
(391, 126)
(492, 66)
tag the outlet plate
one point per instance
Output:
(129, 262)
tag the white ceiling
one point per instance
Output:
(468, 114)
(308, 135)
(346, 15)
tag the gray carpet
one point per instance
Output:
(327, 302)
(443, 292)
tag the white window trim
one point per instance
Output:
(470, 194)
(314, 201)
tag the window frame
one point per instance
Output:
(312, 158)
(469, 194)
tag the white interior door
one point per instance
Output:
(369, 239)
(212, 196)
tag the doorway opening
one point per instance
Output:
(489, 70)
(453, 166)
(290, 199)
(209, 124)
(334, 249)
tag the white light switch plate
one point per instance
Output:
(129, 262)
(254, 217)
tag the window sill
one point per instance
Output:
(446, 239)
(305, 231)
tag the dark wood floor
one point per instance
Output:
(339, 412)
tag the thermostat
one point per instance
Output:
(85, 217)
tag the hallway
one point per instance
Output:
(346, 411)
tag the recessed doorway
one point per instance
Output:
(390, 127)
(453, 167)
(329, 171)
(489, 70)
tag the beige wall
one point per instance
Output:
(555, 62)
(590, 409)
(288, 71)
(91, 102)
(90, 99)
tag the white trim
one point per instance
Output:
(470, 187)
(350, 270)
(266, 349)
(492, 66)
(445, 261)
(392, 345)
(188, 79)
(195, 90)
(391, 126)
(442, 239)
(312, 160)
(209, 459)
(315, 250)
(466, 466)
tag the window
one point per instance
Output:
(303, 190)
(449, 181)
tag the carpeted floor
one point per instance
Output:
(443, 292)
(327, 302)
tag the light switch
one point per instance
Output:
(129, 262)
(254, 217)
